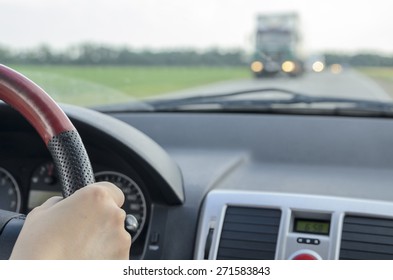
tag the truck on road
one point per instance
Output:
(277, 46)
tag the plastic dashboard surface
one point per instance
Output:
(327, 169)
(318, 169)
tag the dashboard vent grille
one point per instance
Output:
(365, 238)
(249, 233)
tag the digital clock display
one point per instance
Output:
(312, 226)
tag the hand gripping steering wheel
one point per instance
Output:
(58, 133)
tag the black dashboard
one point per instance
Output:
(255, 186)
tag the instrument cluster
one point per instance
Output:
(44, 184)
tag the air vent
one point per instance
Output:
(249, 234)
(366, 238)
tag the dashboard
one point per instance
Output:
(255, 186)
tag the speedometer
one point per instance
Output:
(9, 192)
(134, 203)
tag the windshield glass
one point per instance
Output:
(272, 39)
(94, 53)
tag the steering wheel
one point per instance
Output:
(58, 133)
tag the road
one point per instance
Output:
(348, 84)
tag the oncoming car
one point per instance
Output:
(214, 161)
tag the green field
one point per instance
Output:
(383, 77)
(378, 72)
(102, 85)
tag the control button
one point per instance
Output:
(305, 255)
(154, 241)
(310, 241)
(154, 238)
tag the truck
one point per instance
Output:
(277, 47)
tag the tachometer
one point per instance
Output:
(43, 184)
(135, 202)
(44, 175)
(9, 192)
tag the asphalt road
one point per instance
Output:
(348, 84)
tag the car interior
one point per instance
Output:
(288, 159)
(228, 185)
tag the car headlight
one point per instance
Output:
(256, 66)
(288, 66)
(318, 66)
(336, 68)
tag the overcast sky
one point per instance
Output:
(341, 25)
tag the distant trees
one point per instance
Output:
(96, 54)
(92, 54)
(360, 59)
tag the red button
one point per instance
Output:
(304, 257)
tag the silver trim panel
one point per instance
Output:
(217, 201)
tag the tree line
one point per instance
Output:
(360, 59)
(90, 54)
(95, 54)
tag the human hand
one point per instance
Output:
(87, 225)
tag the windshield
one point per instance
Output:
(99, 53)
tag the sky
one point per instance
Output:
(329, 25)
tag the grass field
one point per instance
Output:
(380, 73)
(101, 85)
(89, 86)
(383, 77)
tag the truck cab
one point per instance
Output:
(277, 44)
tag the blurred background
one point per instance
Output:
(98, 52)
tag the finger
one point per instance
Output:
(111, 189)
(51, 201)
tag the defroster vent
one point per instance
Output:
(365, 238)
(249, 234)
